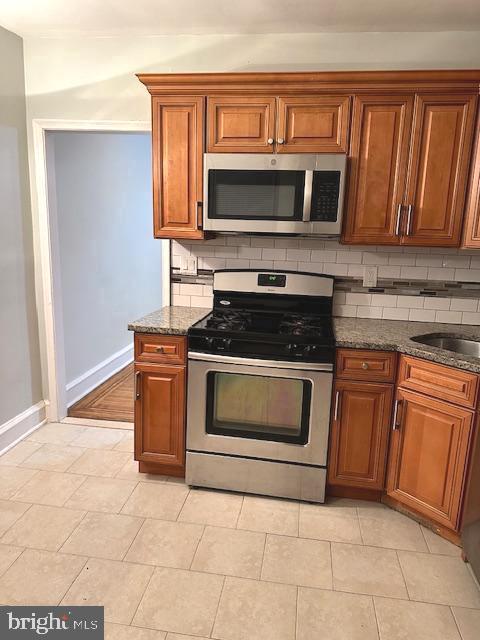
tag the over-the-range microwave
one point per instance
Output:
(274, 193)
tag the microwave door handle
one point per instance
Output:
(307, 196)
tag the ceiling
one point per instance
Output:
(169, 17)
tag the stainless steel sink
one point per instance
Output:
(444, 341)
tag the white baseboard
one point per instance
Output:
(21, 426)
(92, 378)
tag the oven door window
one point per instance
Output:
(255, 194)
(258, 407)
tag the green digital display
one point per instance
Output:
(272, 280)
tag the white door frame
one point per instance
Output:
(48, 289)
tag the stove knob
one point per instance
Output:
(209, 342)
(295, 349)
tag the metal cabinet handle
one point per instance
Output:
(409, 218)
(199, 215)
(395, 424)
(337, 404)
(270, 141)
(137, 384)
(280, 140)
(365, 365)
(399, 217)
(159, 349)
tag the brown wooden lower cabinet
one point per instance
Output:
(359, 434)
(428, 457)
(160, 418)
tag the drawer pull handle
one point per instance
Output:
(159, 349)
(137, 384)
(337, 404)
(365, 365)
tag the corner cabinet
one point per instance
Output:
(177, 141)
(160, 393)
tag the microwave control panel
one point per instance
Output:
(325, 195)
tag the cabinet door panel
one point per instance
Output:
(429, 456)
(313, 124)
(378, 166)
(359, 434)
(471, 237)
(240, 124)
(440, 159)
(160, 414)
(177, 138)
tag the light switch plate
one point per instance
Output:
(370, 276)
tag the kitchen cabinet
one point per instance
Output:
(471, 238)
(177, 150)
(428, 456)
(293, 124)
(359, 434)
(160, 392)
(409, 173)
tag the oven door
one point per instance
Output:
(257, 408)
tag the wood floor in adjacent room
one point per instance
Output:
(112, 400)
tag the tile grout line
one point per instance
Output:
(296, 610)
(379, 633)
(75, 578)
(196, 547)
(218, 606)
(403, 575)
(263, 555)
(142, 596)
(452, 613)
(134, 537)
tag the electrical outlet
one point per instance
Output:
(192, 266)
(370, 276)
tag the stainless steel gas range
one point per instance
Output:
(259, 385)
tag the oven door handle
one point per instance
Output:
(278, 364)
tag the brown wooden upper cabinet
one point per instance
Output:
(471, 238)
(177, 149)
(299, 124)
(409, 169)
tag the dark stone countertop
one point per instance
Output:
(169, 320)
(395, 335)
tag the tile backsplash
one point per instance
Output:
(396, 265)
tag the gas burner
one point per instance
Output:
(301, 325)
(228, 321)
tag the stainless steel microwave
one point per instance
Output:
(274, 193)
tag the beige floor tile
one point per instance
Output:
(39, 578)
(167, 544)
(101, 494)
(468, 621)
(49, 487)
(130, 472)
(103, 535)
(216, 508)
(254, 610)
(126, 443)
(399, 619)
(368, 570)
(53, 457)
(180, 601)
(341, 506)
(124, 632)
(297, 561)
(321, 524)
(439, 579)
(12, 479)
(100, 462)
(156, 500)
(19, 453)
(180, 636)
(392, 531)
(43, 527)
(8, 555)
(10, 512)
(230, 552)
(118, 586)
(437, 544)
(330, 615)
(269, 515)
(56, 433)
(98, 438)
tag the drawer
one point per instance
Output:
(150, 347)
(363, 364)
(438, 381)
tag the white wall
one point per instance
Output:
(110, 264)
(20, 381)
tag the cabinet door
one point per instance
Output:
(439, 163)
(471, 239)
(177, 139)
(359, 434)
(313, 124)
(381, 128)
(428, 456)
(241, 124)
(160, 416)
